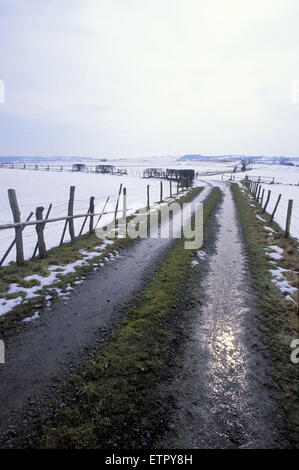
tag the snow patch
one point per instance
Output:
(55, 272)
(269, 229)
(284, 286)
(281, 282)
(288, 297)
(30, 319)
(201, 254)
(7, 305)
(277, 252)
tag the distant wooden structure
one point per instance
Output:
(79, 167)
(105, 169)
(184, 177)
(110, 170)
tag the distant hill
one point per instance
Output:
(215, 157)
(48, 159)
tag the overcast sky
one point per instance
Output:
(149, 77)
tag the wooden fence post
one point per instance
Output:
(18, 231)
(71, 213)
(40, 233)
(124, 203)
(267, 201)
(148, 197)
(177, 188)
(91, 211)
(161, 191)
(258, 194)
(47, 215)
(262, 197)
(288, 220)
(170, 188)
(83, 225)
(276, 205)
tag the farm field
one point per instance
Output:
(40, 188)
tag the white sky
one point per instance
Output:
(149, 77)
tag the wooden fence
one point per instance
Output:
(40, 222)
(259, 195)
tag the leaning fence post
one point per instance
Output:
(103, 210)
(83, 225)
(13, 242)
(71, 213)
(262, 197)
(276, 205)
(117, 202)
(91, 211)
(18, 230)
(40, 233)
(267, 201)
(63, 232)
(161, 191)
(288, 220)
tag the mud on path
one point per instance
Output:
(41, 355)
(225, 397)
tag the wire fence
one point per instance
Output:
(61, 221)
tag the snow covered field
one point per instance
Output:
(40, 188)
(286, 183)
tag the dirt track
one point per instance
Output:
(42, 352)
(225, 396)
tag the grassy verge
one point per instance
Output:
(117, 402)
(279, 315)
(59, 256)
